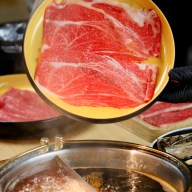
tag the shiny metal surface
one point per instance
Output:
(99, 154)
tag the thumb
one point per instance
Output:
(181, 73)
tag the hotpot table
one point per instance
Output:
(10, 148)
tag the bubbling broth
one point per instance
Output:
(118, 180)
(102, 180)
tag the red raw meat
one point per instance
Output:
(164, 107)
(142, 32)
(162, 113)
(140, 36)
(78, 33)
(92, 58)
(94, 80)
(23, 105)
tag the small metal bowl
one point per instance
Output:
(99, 154)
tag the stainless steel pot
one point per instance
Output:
(99, 154)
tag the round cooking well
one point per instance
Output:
(97, 155)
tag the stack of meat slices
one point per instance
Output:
(23, 105)
(161, 118)
(92, 53)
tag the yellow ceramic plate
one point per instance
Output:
(33, 43)
(19, 81)
(30, 129)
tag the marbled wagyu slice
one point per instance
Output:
(92, 53)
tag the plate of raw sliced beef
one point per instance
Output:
(100, 61)
(23, 112)
(159, 119)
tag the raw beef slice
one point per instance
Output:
(163, 114)
(23, 105)
(93, 57)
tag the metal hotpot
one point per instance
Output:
(98, 154)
